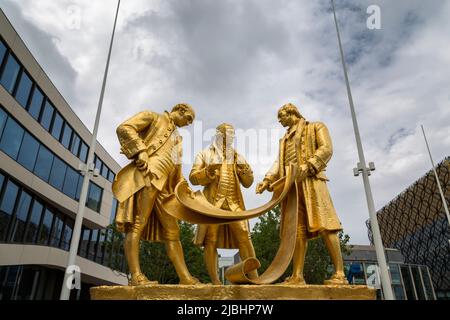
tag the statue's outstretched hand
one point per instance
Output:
(262, 186)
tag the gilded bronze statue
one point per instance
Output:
(153, 195)
(308, 146)
(152, 143)
(221, 170)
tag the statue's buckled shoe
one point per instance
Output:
(336, 280)
(139, 279)
(190, 281)
(294, 281)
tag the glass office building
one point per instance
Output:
(409, 281)
(416, 224)
(42, 144)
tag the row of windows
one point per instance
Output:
(21, 146)
(26, 218)
(409, 282)
(19, 84)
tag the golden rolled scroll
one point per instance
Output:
(193, 207)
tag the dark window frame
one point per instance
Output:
(19, 80)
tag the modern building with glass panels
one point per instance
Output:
(409, 281)
(42, 144)
(416, 224)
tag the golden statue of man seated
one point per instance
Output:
(308, 146)
(152, 142)
(221, 170)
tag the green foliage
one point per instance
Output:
(155, 263)
(266, 240)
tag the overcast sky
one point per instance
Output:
(238, 61)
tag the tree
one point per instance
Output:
(155, 263)
(266, 240)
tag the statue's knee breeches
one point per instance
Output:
(240, 231)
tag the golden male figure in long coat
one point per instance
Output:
(308, 146)
(152, 142)
(221, 170)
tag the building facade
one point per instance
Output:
(42, 144)
(409, 281)
(416, 224)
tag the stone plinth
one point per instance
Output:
(233, 292)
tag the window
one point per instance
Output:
(47, 115)
(10, 73)
(83, 152)
(407, 281)
(67, 135)
(33, 227)
(98, 164)
(427, 283)
(46, 227)
(418, 283)
(94, 198)
(108, 246)
(43, 163)
(23, 90)
(57, 126)
(111, 176)
(105, 171)
(84, 242)
(70, 183)
(112, 217)
(75, 144)
(79, 186)
(2, 52)
(57, 230)
(396, 281)
(93, 245)
(58, 173)
(100, 246)
(18, 226)
(36, 103)
(28, 151)
(11, 139)
(7, 207)
(67, 234)
(3, 118)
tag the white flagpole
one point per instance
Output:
(379, 249)
(444, 202)
(87, 171)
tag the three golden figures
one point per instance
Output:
(153, 195)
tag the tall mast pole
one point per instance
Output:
(87, 171)
(361, 167)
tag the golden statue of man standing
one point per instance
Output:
(308, 146)
(152, 142)
(221, 170)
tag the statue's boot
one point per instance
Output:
(139, 279)
(337, 279)
(131, 246)
(297, 281)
